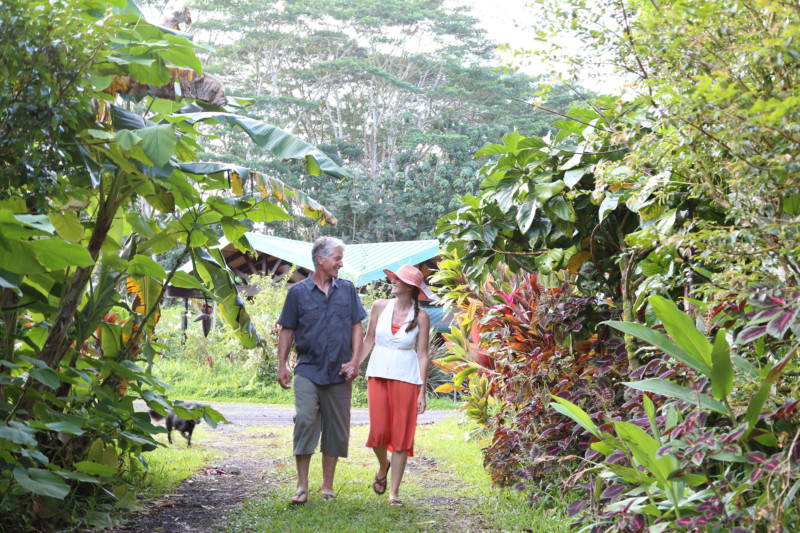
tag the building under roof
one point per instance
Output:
(363, 263)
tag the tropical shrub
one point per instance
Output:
(519, 343)
(701, 464)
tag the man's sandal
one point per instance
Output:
(379, 485)
(296, 499)
(397, 502)
(328, 496)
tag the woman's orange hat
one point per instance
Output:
(411, 276)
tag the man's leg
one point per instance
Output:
(306, 432)
(335, 415)
(302, 462)
(328, 471)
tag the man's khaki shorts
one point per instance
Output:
(321, 409)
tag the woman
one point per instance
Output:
(396, 375)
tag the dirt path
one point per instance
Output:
(206, 498)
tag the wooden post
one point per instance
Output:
(184, 320)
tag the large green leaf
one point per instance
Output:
(57, 254)
(721, 367)
(526, 212)
(491, 149)
(95, 469)
(558, 208)
(572, 177)
(67, 225)
(18, 433)
(662, 342)
(644, 448)
(280, 143)
(209, 266)
(158, 143)
(46, 376)
(111, 340)
(569, 409)
(143, 265)
(511, 140)
(673, 390)
(41, 482)
(545, 191)
(681, 328)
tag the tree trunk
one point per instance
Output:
(54, 349)
(627, 265)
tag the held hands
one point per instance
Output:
(349, 370)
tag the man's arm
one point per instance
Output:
(350, 370)
(285, 340)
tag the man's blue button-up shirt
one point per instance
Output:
(322, 327)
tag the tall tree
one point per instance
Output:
(399, 92)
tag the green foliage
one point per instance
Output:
(80, 294)
(716, 80)
(683, 187)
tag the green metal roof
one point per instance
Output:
(363, 263)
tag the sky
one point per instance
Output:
(510, 22)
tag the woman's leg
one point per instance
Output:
(404, 422)
(379, 429)
(398, 467)
(383, 461)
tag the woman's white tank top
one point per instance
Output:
(395, 355)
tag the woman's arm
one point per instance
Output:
(369, 338)
(423, 341)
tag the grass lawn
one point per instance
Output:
(445, 488)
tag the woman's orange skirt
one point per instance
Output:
(392, 414)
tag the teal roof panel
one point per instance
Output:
(363, 263)
(291, 251)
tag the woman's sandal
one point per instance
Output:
(379, 485)
(397, 502)
(296, 498)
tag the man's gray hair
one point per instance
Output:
(324, 247)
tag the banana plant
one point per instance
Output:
(124, 186)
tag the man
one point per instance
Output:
(322, 315)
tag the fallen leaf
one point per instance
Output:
(162, 504)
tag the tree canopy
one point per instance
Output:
(400, 93)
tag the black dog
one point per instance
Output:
(186, 427)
